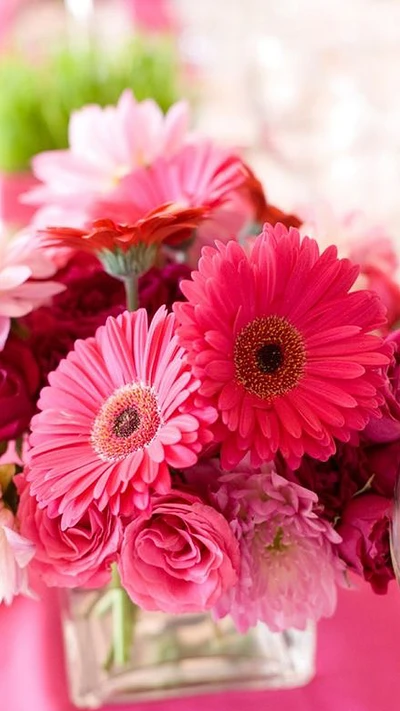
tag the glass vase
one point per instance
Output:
(174, 655)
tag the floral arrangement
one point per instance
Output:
(209, 416)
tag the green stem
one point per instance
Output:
(131, 291)
(114, 601)
(124, 614)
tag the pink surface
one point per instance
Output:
(358, 663)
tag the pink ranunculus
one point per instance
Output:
(15, 554)
(179, 558)
(387, 428)
(19, 383)
(364, 528)
(78, 556)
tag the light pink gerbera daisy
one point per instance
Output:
(289, 559)
(104, 145)
(282, 349)
(119, 409)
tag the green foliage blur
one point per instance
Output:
(36, 100)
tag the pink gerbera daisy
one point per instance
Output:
(200, 174)
(104, 145)
(119, 409)
(282, 348)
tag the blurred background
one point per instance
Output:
(308, 91)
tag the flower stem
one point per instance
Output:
(115, 601)
(123, 622)
(131, 291)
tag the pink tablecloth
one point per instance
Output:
(358, 663)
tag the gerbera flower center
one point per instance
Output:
(127, 421)
(269, 357)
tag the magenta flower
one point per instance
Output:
(120, 409)
(181, 557)
(282, 349)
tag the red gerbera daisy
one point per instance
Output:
(282, 348)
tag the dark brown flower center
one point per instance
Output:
(126, 422)
(269, 357)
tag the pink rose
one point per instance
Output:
(179, 558)
(19, 383)
(364, 528)
(81, 555)
(387, 429)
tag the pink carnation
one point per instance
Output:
(80, 555)
(179, 558)
(289, 563)
(16, 552)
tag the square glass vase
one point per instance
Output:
(173, 655)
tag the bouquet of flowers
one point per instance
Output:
(209, 416)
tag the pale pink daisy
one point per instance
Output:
(120, 409)
(282, 349)
(289, 561)
(104, 145)
(16, 552)
(24, 285)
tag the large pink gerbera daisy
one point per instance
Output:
(119, 409)
(282, 348)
